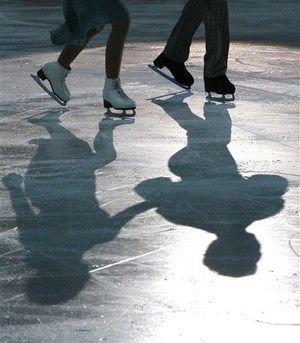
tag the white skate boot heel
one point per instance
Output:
(114, 97)
(56, 75)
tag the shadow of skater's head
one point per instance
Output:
(233, 255)
(236, 252)
(55, 284)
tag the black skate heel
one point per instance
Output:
(221, 86)
(158, 62)
(41, 75)
(182, 77)
(107, 104)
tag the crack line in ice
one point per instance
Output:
(13, 298)
(12, 229)
(264, 137)
(127, 260)
(290, 244)
(114, 188)
(112, 201)
(10, 252)
(281, 324)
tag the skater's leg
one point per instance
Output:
(115, 47)
(113, 95)
(217, 47)
(70, 53)
(217, 38)
(177, 49)
(57, 71)
(179, 42)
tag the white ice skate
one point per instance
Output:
(115, 97)
(56, 75)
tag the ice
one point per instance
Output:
(186, 214)
(178, 225)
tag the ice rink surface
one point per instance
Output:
(180, 225)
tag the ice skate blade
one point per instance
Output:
(169, 78)
(123, 113)
(53, 96)
(220, 98)
(119, 119)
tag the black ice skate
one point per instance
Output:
(221, 86)
(181, 77)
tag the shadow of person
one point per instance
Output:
(58, 215)
(212, 195)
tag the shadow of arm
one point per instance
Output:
(122, 218)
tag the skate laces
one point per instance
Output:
(118, 89)
(63, 79)
(123, 94)
(64, 84)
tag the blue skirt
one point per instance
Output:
(83, 15)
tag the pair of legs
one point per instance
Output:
(114, 49)
(56, 72)
(214, 14)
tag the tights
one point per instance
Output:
(114, 49)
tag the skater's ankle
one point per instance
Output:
(112, 79)
(112, 75)
(170, 59)
(64, 65)
(212, 77)
(112, 84)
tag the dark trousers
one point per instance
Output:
(214, 14)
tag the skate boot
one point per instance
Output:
(219, 85)
(115, 97)
(178, 70)
(56, 75)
